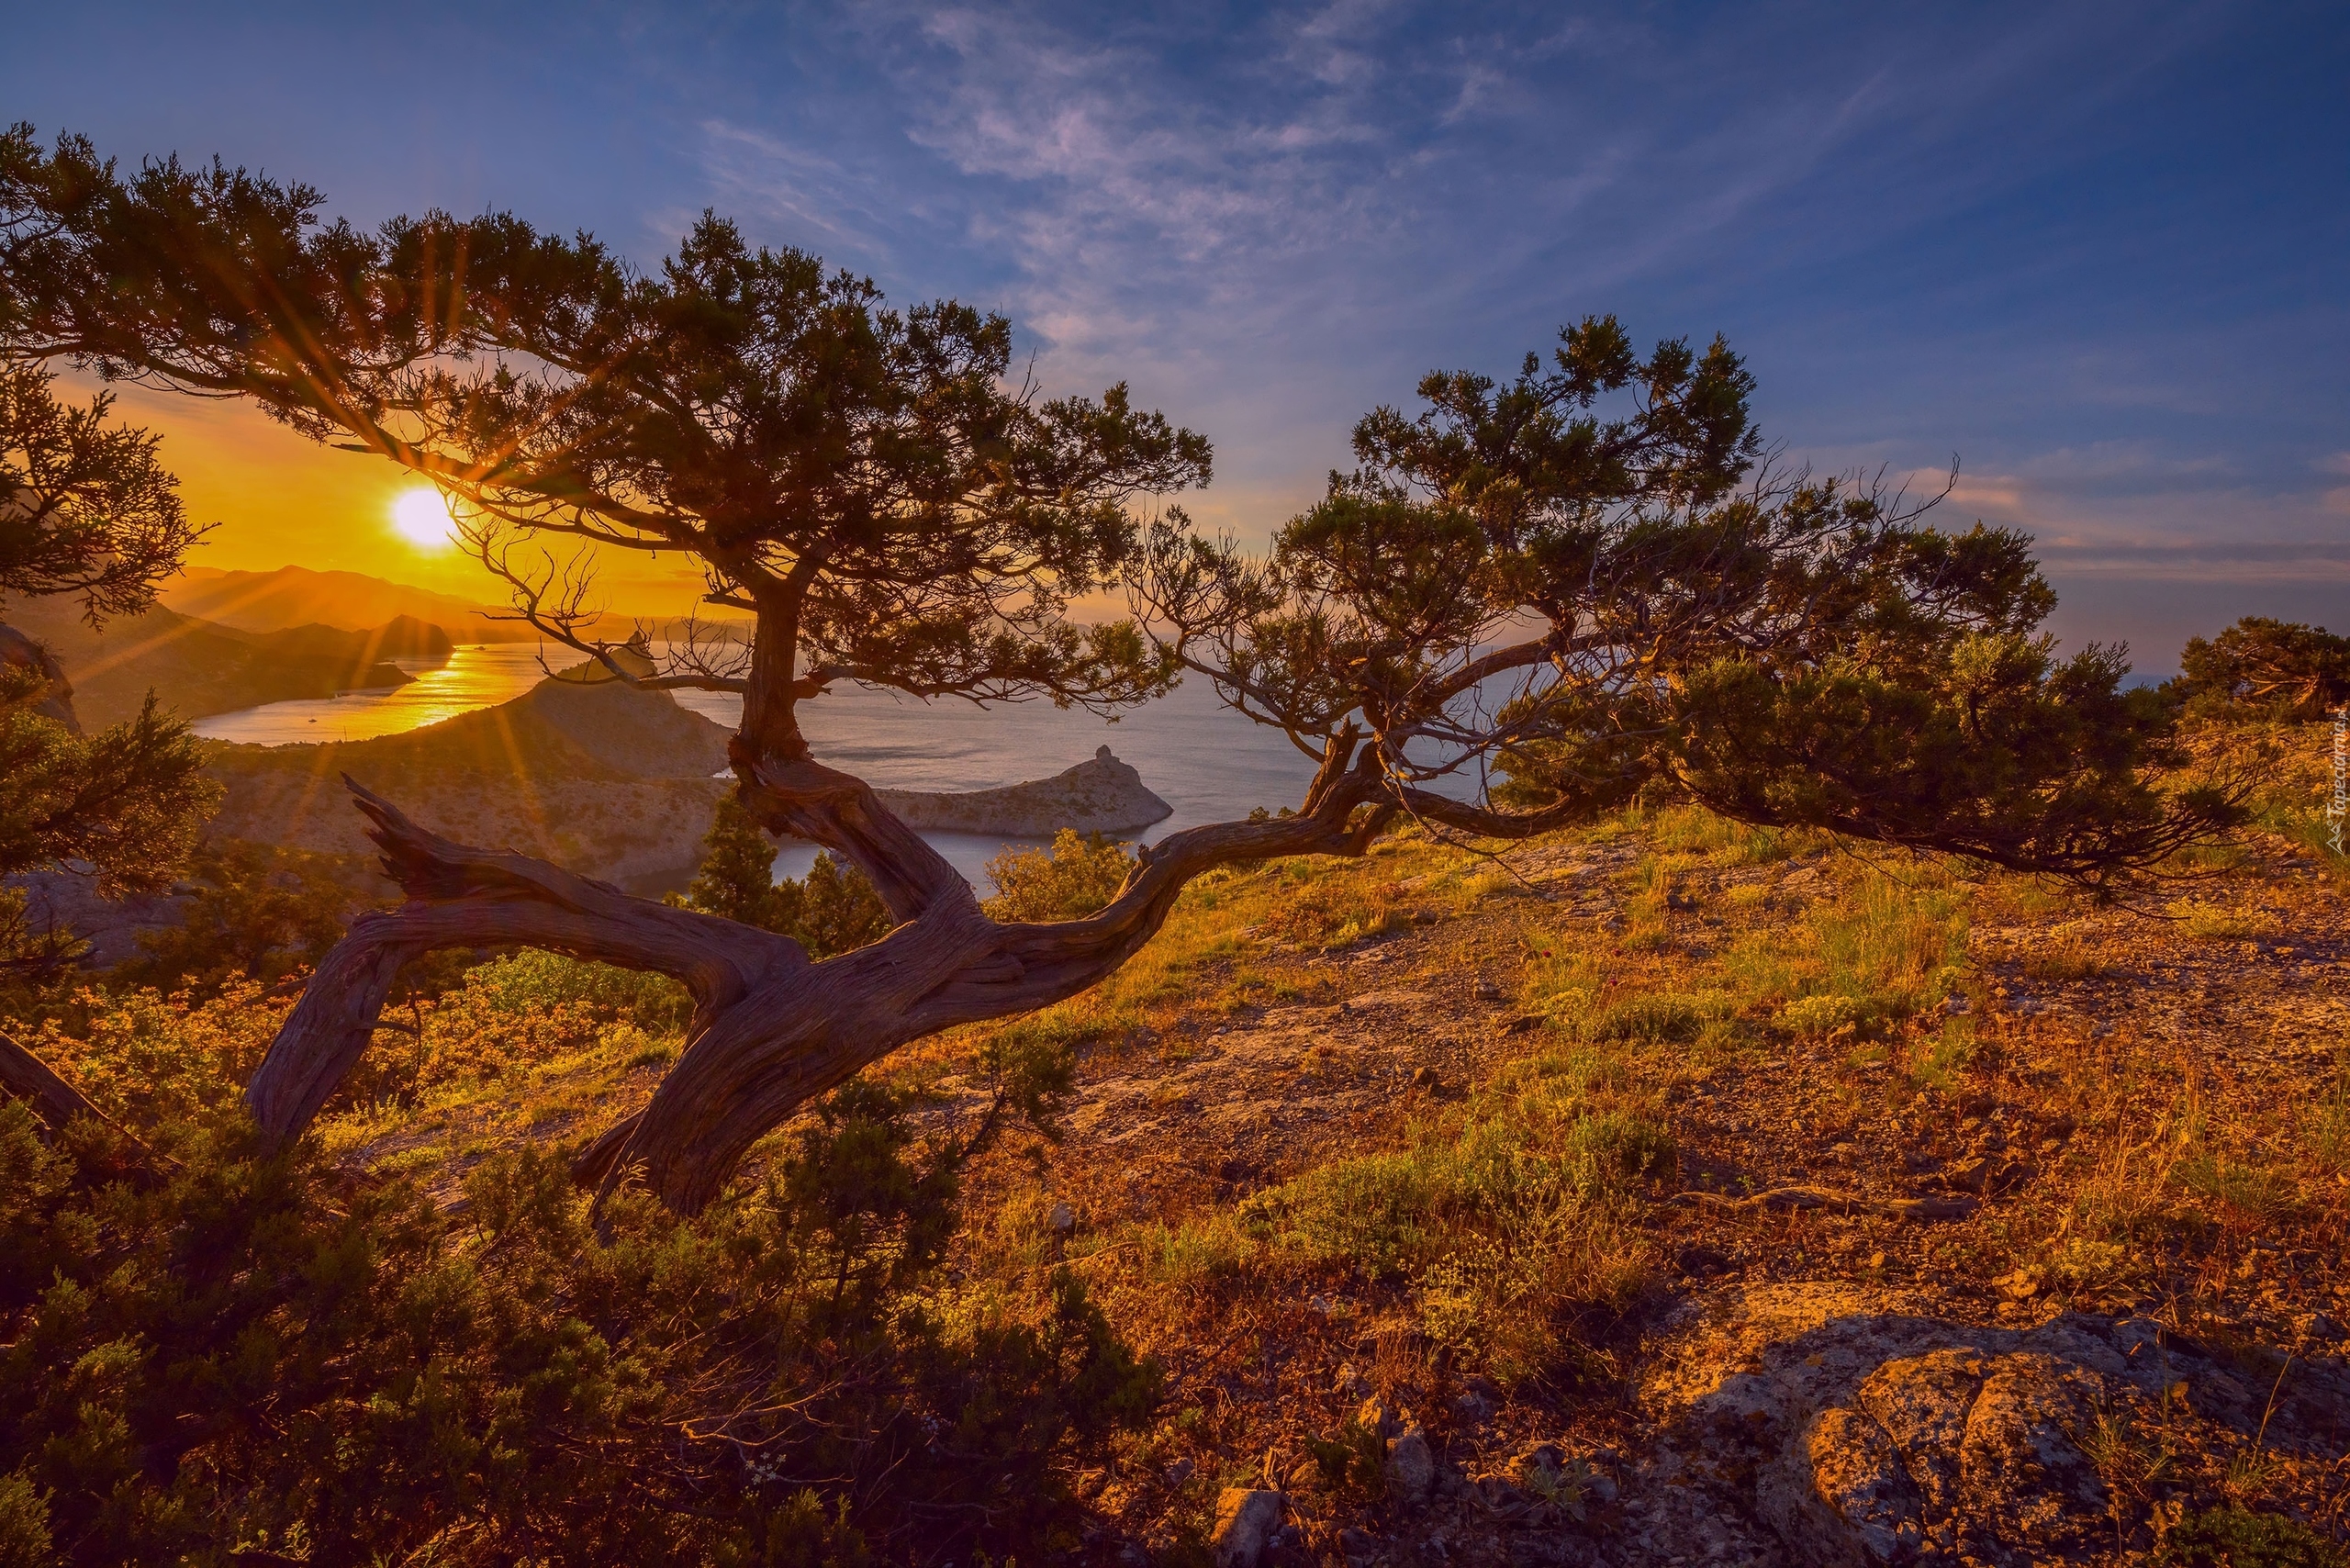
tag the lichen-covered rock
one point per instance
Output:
(1857, 1429)
(1846, 1481)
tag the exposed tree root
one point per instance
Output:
(770, 1030)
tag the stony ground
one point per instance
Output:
(2107, 1214)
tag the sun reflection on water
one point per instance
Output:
(480, 677)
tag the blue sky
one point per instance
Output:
(2097, 253)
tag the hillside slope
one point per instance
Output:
(1674, 1193)
(195, 666)
(611, 782)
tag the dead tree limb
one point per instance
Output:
(56, 1103)
(34, 1082)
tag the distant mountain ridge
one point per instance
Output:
(349, 601)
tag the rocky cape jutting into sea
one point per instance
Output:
(613, 783)
(1102, 796)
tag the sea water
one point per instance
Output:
(480, 677)
(1208, 762)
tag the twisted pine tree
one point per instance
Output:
(1580, 584)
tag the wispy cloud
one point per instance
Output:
(1270, 222)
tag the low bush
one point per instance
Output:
(144, 1058)
(1654, 1019)
(1823, 1017)
(831, 910)
(2211, 923)
(1330, 912)
(1079, 875)
(256, 913)
(265, 1359)
(2238, 1538)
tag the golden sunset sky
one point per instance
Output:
(280, 499)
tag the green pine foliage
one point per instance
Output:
(831, 910)
(256, 913)
(2282, 668)
(737, 875)
(124, 801)
(123, 804)
(87, 507)
(2237, 1538)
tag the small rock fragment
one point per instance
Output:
(1411, 1465)
(1536, 1469)
(1244, 1519)
(1968, 1175)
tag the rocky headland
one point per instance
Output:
(613, 783)
(1103, 795)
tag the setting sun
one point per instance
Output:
(422, 517)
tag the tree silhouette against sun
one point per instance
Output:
(1585, 581)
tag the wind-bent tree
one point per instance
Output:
(1588, 600)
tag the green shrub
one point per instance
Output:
(1822, 1017)
(2237, 1538)
(533, 981)
(1662, 1019)
(2211, 923)
(831, 910)
(257, 912)
(1079, 875)
(266, 1354)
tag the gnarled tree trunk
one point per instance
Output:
(770, 1028)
